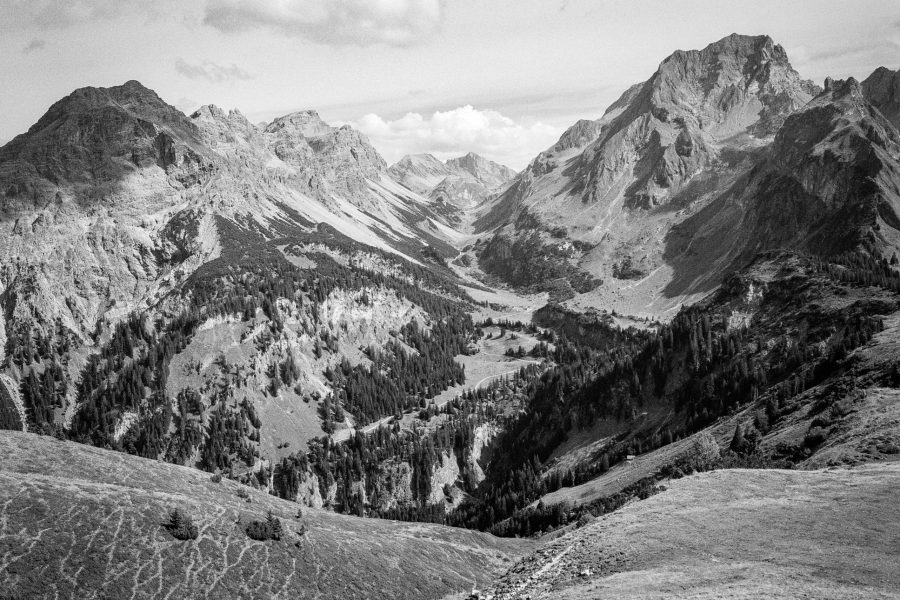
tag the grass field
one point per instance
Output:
(732, 534)
(81, 522)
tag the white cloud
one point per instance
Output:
(334, 22)
(43, 15)
(457, 131)
(210, 71)
(338, 22)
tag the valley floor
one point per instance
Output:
(734, 534)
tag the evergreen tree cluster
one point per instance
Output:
(363, 457)
(398, 380)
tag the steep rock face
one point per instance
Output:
(342, 157)
(89, 199)
(829, 184)
(689, 112)
(882, 90)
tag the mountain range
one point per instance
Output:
(703, 278)
(682, 178)
(462, 182)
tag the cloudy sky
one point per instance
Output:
(499, 77)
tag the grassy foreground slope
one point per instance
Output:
(81, 522)
(734, 534)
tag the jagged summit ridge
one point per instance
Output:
(737, 82)
(650, 143)
(697, 102)
(463, 181)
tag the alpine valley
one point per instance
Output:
(255, 361)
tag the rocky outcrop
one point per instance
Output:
(340, 156)
(444, 476)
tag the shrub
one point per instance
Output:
(814, 437)
(181, 526)
(216, 478)
(270, 529)
(703, 454)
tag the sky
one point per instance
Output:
(503, 78)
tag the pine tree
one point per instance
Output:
(274, 524)
(737, 441)
(604, 463)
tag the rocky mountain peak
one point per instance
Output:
(462, 181)
(221, 129)
(424, 160)
(882, 90)
(737, 83)
(486, 171)
(306, 123)
(419, 172)
(100, 134)
(733, 90)
(341, 156)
